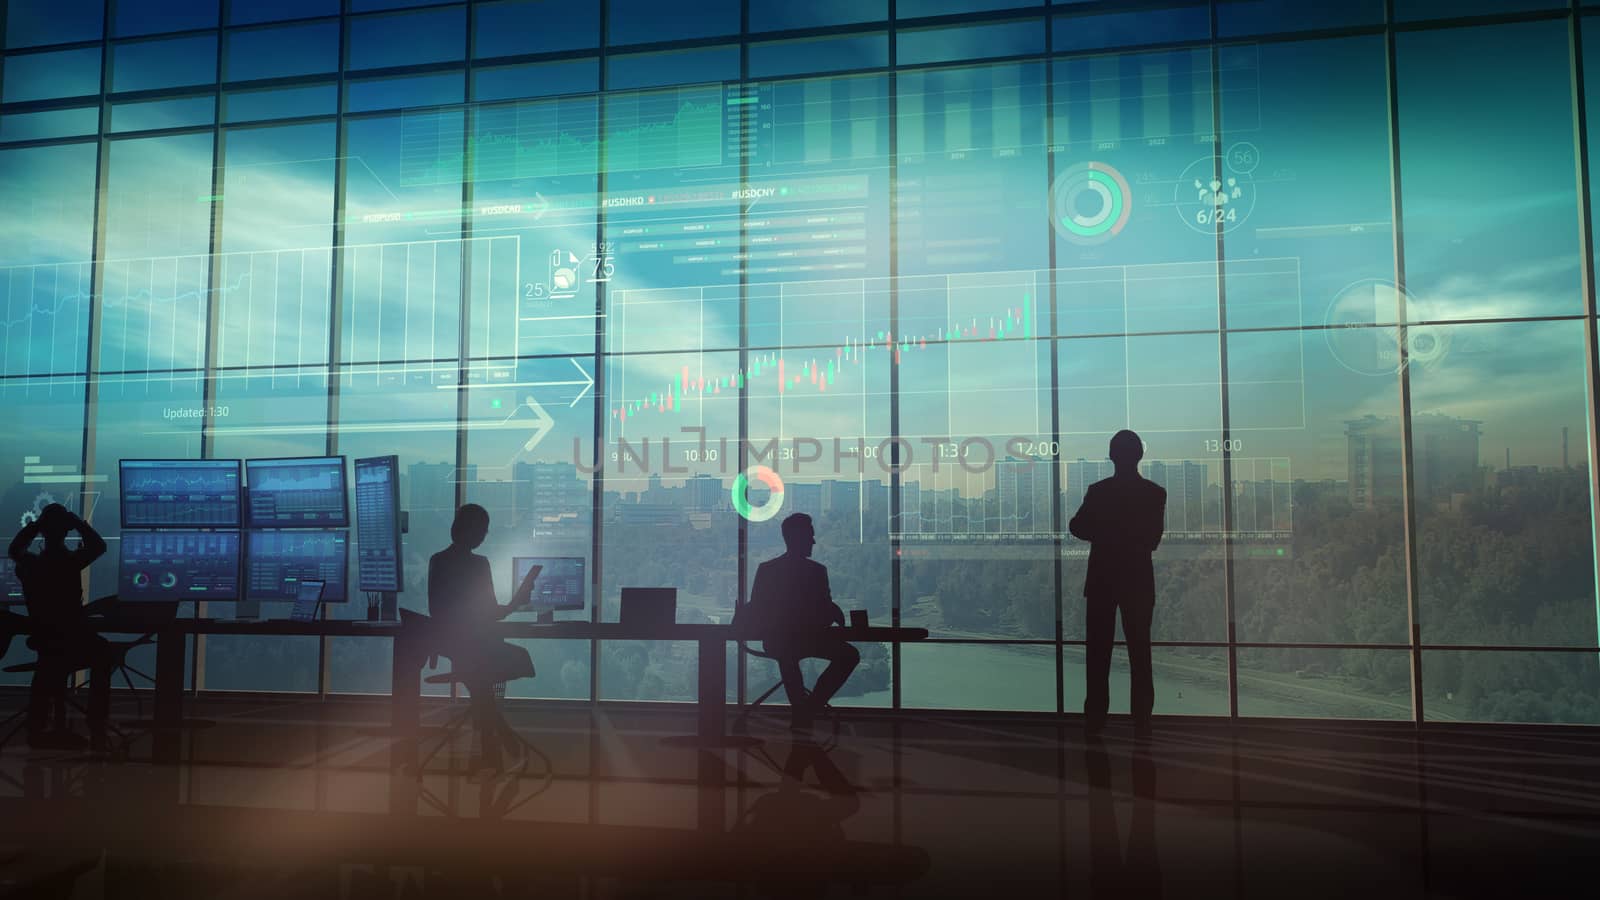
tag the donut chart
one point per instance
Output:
(1090, 203)
(770, 480)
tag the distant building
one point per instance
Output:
(841, 496)
(1185, 481)
(1444, 458)
(707, 493)
(805, 497)
(1023, 486)
(651, 514)
(432, 486)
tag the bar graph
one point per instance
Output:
(823, 120)
(990, 109)
(1156, 96)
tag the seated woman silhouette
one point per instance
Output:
(461, 601)
(52, 586)
(791, 608)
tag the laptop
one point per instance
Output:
(649, 607)
(307, 599)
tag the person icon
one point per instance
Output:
(1122, 518)
(791, 608)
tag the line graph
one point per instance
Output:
(1011, 501)
(819, 369)
(43, 317)
(813, 336)
(401, 300)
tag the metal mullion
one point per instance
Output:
(50, 142)
(513, 59)
(44, 105)
(1229, 587)
(1468, 21)
(276, 23)
(597, 480)
(97, 252)
(292, 120)
(1407, 473)
(896, 667)
(1057, 512)
(373, 74)
(1580, 118)
(743, 533)
(335, 308)
(213, 322)
(463, 304)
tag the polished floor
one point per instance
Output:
(298, 798)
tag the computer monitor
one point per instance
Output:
(179, 493)
(295, 493)
(561, 584)
(178, 565)
(10, 586)
(276, 562)
(307, 600)
(378, 556)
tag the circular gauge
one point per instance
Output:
(169, 580)
(1090, 203)
(1363, 336)
(1211, 196)
(741, 487)
(141, 580)
(1426, 345)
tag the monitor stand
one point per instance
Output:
(544, 617)
(246, 611)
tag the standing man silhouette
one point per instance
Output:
(1122, 518)
(791, 607)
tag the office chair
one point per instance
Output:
(119, 665)
(457, 722)
(11, 625)
(741, 721)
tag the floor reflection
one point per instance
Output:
(1131, 869)
(300, 800)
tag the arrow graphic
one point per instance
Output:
(542, 423)
(587, 382)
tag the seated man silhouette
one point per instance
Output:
(461, 601)
(790, 609)
(1122, 518)
(52, 586)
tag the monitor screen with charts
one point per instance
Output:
(178, 565)
(307, 600)
(179, 493)
(561, 584)
(295, 493)
(10, 587)
(276, 562)
(378, 557)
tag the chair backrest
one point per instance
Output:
(654, 607)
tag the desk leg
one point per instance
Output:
(405, 698)
(169, 679)
(167, 717)
(713, 695)
(711, 705)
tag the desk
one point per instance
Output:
(409, 654)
